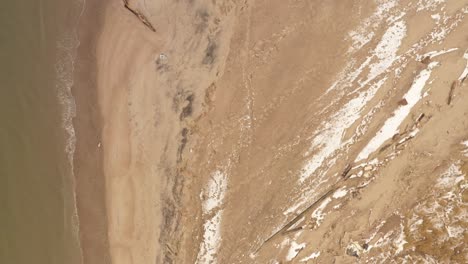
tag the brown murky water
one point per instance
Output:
(37, 215)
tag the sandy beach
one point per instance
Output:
(272, 131)
(132, 139)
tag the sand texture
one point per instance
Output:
(277, 132)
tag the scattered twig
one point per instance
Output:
(345, 172)
(285, 229)
(293, 230)
(455, 84)
(420, 117)
(140, 16)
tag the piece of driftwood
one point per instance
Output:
(346, 171)
(291, 223)
(455, 84)
(139, 15)
(420, 117)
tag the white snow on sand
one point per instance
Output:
(318, 213)
(215, 191)
(214, 197)
(329, 139)
(433, 54)
(311, 256)
(465, 151)
(382, 57)
(390, 128)
(429, 4)
(452, 176)
(400, 242)
(365, 31)
(465, 71)
(294, 250)
(386, 50)
(340, 193)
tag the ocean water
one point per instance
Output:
(38, 222)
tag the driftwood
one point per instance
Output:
(420, 117)
(291, 223)
(346, 171)
(455, 84)
(139, 15)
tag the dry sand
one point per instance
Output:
(274, 132)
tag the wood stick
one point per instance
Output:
(297, 218)
(140, 16)
(455, 84)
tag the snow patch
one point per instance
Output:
(428, 4)
(465, 151)
(311, 256)
(465, 71)
(390, 127)
(211, 206)
(318, 213)
(329, 139)
(385, 53)
(365, 32)
(294, 250)
(455, 231)
(340, 193)
(400, 241)
(386, 50)
(433, 54)
(452, 176)
(465, 143)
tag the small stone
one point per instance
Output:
(402, 102)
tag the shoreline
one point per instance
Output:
(88, 158)
(134, 123)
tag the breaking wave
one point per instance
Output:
(67, 45)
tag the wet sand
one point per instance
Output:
(88, 161)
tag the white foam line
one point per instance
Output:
(67, 47)
(390, 128)
(329, 140)
(211, 206)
